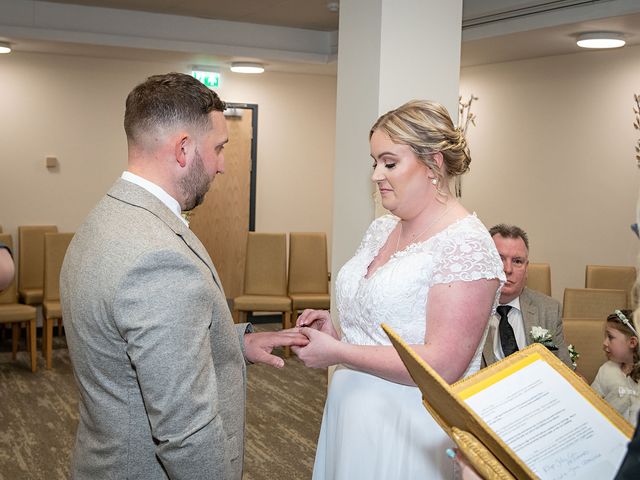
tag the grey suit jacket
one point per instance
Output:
(538, 310)
(156, 355)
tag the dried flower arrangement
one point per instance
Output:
(464, 118)
(636, 125)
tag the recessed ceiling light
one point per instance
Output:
(5, 47)
(247, 67)
(600, 40)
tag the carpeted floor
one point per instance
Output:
(38, 417)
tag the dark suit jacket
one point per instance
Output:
(538, 310)
(156, 355)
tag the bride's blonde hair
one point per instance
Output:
(426, 127)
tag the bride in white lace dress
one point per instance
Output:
(430, 271)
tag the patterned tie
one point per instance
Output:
(507, 337)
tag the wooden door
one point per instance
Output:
(221, 222)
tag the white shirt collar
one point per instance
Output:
(157, 191)
(515, 303)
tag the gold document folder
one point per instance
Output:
(446, 403)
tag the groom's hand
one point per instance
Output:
(258, 346)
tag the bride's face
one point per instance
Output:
(402, 179)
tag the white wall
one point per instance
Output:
(72, 107)
(553, 151)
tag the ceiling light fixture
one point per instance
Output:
(5, 47)
(247, 67)
(600, 40)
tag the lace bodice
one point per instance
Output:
(397, 292)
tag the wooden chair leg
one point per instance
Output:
(28, 337)
(15, 338)
(31, 335)
(294, 317)
(242, 316)
(48, 340)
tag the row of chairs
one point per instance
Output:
(584, 310)
(596, 276)
(41, 250)
(270, 287)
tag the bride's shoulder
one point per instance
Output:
(379, 229)
(383, 224)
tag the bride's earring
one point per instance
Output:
(434, 181)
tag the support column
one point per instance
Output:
(390, 51)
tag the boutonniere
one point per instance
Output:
(542, 335)
(574, 355)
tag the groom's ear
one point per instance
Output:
(182, 148)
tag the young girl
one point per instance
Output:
(617, 379)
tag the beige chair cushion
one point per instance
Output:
(31, 296)
(592, 302)
(300, 301)
(16, 313)
(266, 264)
(31, 255)
(308, 270)
(605, 276)
(539, 277)
(586, 335)
(51, 309)
(265, 303)
(55, 248)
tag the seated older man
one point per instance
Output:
(520, 308)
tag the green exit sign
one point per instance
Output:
(209, 79)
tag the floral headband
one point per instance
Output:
(626, 321)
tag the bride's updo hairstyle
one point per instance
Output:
(426, 127)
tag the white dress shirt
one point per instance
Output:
(158, 192)
(517, 323)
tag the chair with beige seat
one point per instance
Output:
(31, 262)
(55, 247)
(308, 272)
(265, 277)
(610, 277)
(16, 313)
(586, 335)
(595, 303)
(539, 277)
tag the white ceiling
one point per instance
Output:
(285, 36)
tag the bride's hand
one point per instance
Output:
(321, 351)
(318, 320)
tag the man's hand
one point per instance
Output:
(258, 346)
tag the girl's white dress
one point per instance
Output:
(373, 428)
(619, 390)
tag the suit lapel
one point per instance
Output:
(488, 355)
(529, 314)
(135, 195)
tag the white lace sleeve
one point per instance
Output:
(377, 232)
(467, 255)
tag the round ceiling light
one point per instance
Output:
(5, 47)
(247, 67)
(600, 40)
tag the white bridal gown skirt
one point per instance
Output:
(376, 429)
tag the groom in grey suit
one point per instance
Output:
(522, 308)
(158, 360)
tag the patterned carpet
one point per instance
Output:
(39, 414)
